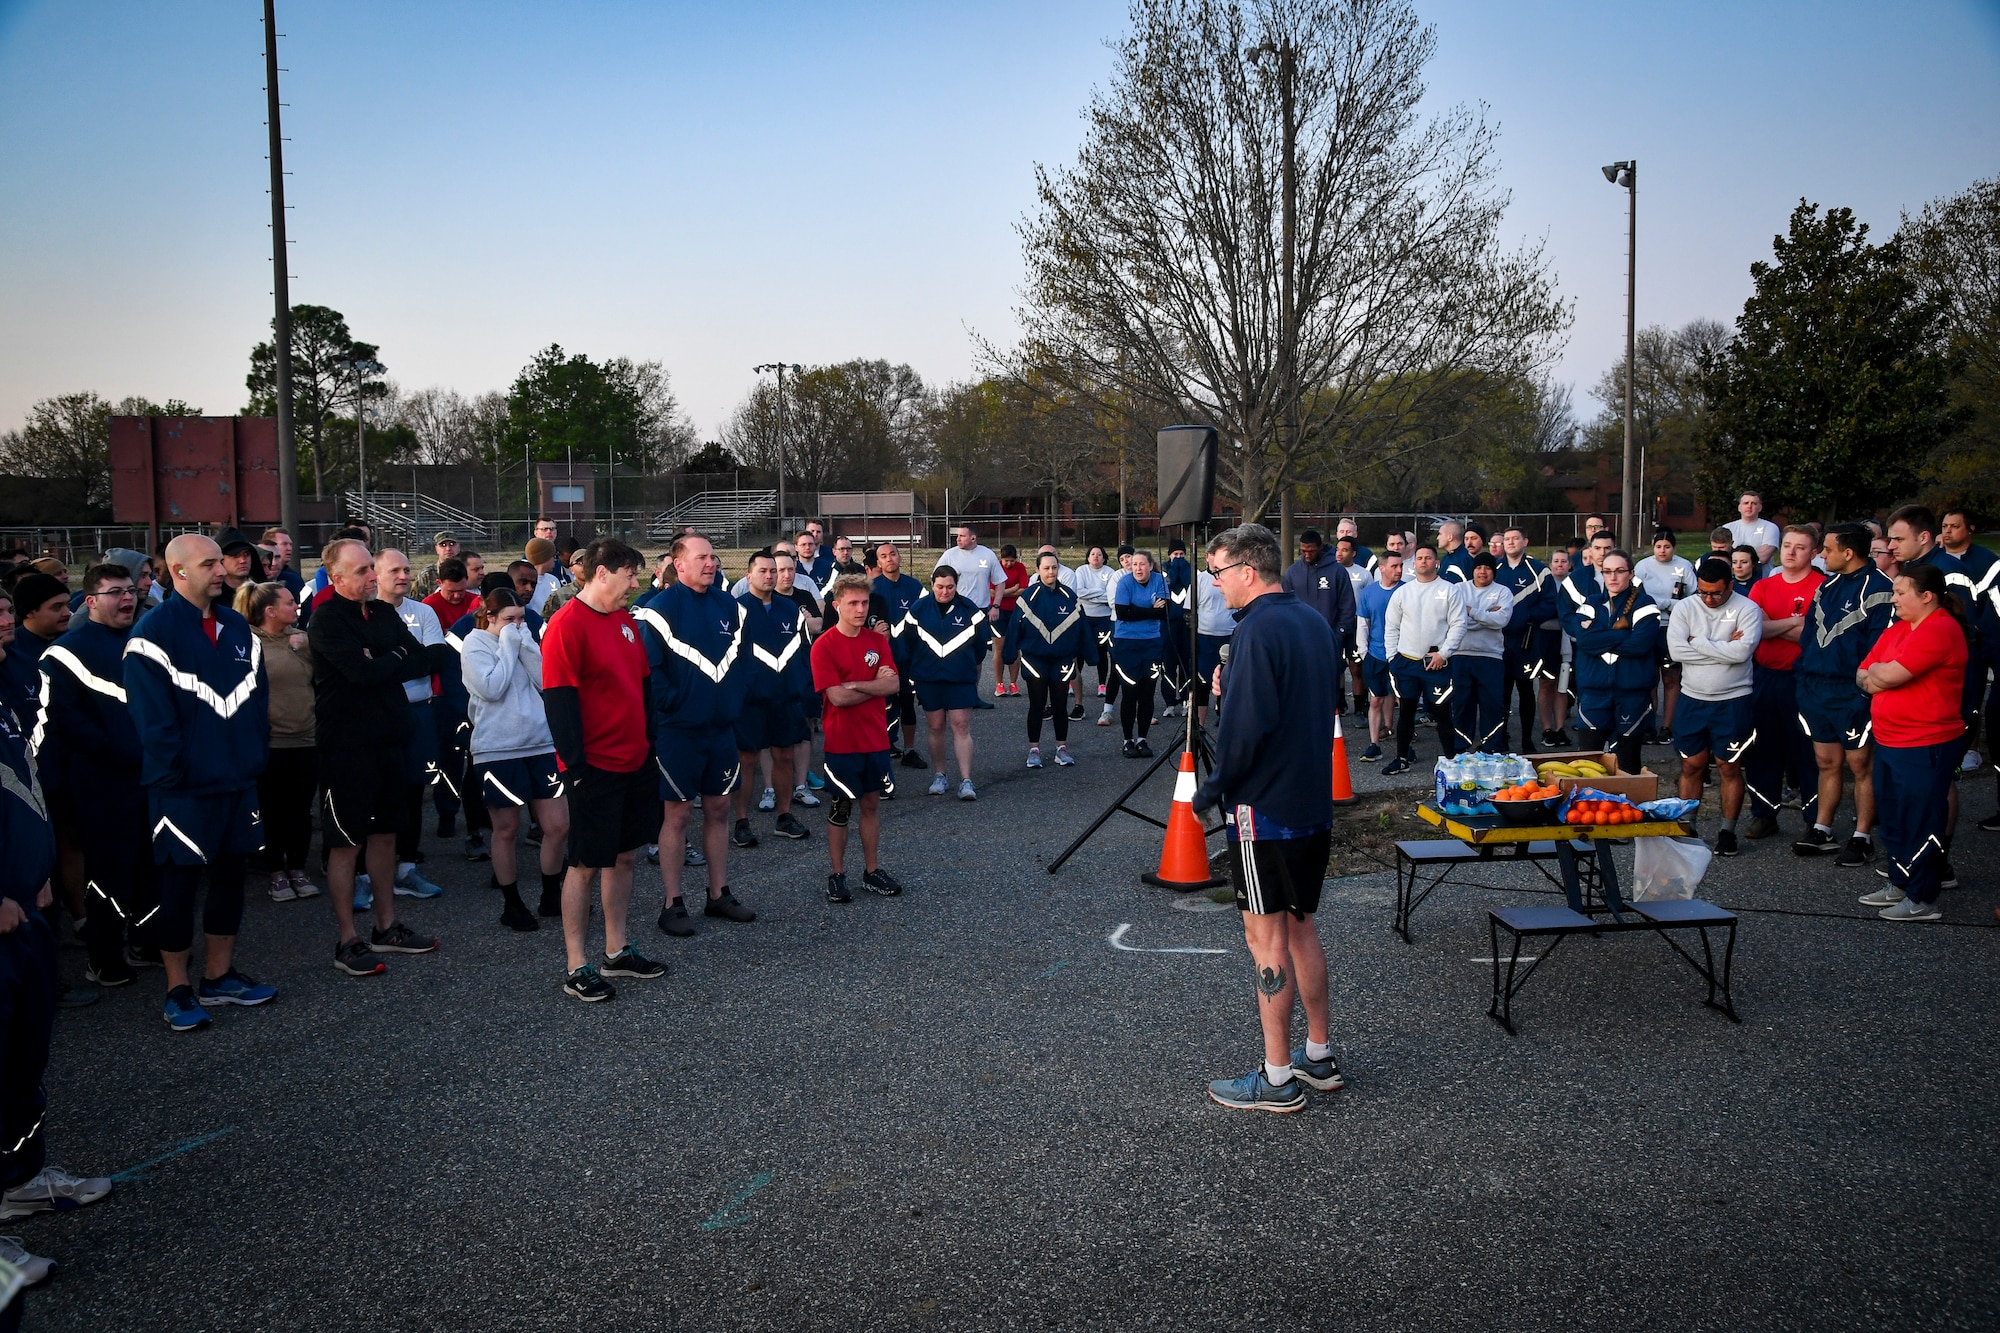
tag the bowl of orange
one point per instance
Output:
(1528, 803)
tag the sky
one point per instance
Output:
(717, 185)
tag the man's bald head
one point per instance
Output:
(194, 563)
(392, 574)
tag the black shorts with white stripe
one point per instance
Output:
(362, 792)
(1272, 875)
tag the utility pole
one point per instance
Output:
(1627, 174)
(780, 367)
(281, 291)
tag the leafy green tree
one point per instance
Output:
(1834, 393)
(323, 356)
(66, 440)
(565, 405)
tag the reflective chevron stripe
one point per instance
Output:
(224, 705)
(949, 646)
(715, 671)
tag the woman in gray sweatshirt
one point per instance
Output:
(513, 754)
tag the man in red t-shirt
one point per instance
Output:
(852, 669)
(596, 688)
(1782, 755)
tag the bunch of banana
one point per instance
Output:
(1577, 768)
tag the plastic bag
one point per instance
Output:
(1667, 868)
(1670, 807)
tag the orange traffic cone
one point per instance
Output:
(1184, 855)
(1343, 785)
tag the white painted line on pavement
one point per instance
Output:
(1117, 941)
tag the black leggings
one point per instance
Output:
(285, 794)
(1045, 680)
(1135, 705)
(1107, 679)
(902, 711)
(222, 909)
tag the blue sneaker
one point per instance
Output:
(1395, 766)
(410, 884)
(1254, 1092)
(1371, 754)
(1321, 1074)
(815, 781)
(183, 1012)
(364, 893)
(232, 987)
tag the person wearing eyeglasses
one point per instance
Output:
(1714, 635)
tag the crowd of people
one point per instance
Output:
(177, 716)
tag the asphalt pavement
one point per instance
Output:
(965, 1108)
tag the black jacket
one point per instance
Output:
(1326, 588)
(362, 653)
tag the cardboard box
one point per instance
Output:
(1637, 788)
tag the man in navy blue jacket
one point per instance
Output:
(1532, 652)
(1319, 580)
(194, 678)
(1271, 780)
(899, 592)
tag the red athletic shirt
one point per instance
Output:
(1926, 711)
(861, 728)
(449, 613)
(1017, 583)
(601, 657)
(211, 628)
(1781, 601)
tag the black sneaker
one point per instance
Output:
(1558, 739)
(1130, 750)
(741, 836)
(629, 962)
(1145, 750)
(1990, 824)
(1760, 826)
(787, 826)
(836, 889)
(357, 959)
(1947, 877)
(586, 985)
(551, 903)
(1725, 843)
(112, 975)
(728, 908)
(141, 955)
(915, 759)
(881, 882)
(476, 849)
(1857, 853)
(1075, 712)
(1816, 841)
(674, 920)
(1395, 766)
(76, 997)
(514, 913)
(399, 938)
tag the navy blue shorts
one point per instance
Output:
(1722, 727)
(856, 775)
(421, 756)
(771, 725)
(509, 784)
(696, 763)
(198, 830)
(937, 696)
(1375, 675)
(1056, 671)
(1546, 662)
(1834, 712)
(1137, 660)
(1409, 679)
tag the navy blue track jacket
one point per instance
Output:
(1276, 738)
(1534, 597)
(25, 831)
(84, 714)
(201, 708)
(1051, 624)
(774, 640)
(1849, 612)
(694, 642)
(950, 641)
(1610, 660)
(898, 596)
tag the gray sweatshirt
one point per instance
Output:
(1487, 611)
(1714, 665)
(1422, 616)
(503, 686)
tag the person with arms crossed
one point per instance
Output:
(1095, 582)
(1616, 637)
(1318, 579)
(1666, 578)
(853, 667)
(1421, 632)
(952, 636)
(1533, 654)
(421, 767)
(1853, 606)
(1277, 694)
(1713, 636)
(1782, 755)
(1479, 672)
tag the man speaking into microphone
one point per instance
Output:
(1272, 778)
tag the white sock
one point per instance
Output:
(1277, 1075)
(1317, 1050)
(1865, 837)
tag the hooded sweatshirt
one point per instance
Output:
(503, 677)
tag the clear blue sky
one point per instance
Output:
(717, 185)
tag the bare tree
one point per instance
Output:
(667, 434)
(1157, 262)
(1955, 248)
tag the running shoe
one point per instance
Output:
(726, 907)
(881, 882)
(1171, 710)
(1725, 842)
(1145, 748)
(1255, 1092)
(1858, 852)
(674, 920)
(303, 886)
(768, 800)
(815, 781)
(281, 890)
(836, 889)
(652, 853)
(1104, 718)
(144, 955)
(410, 884)
(803, 795)
(1076, 712)
(1063, 757)
(475, 847)
(35, 1270)
(1971, 762)
(940, 785)
(111, 975)
(965, 791)
(183, 1011)
(1911, 910)
(52, 1190)
(1130, 749)
(364, 893)
(1760, 826)
(1014, 692)
(1034, 756)
(999, 691)
(1395, 766)
(586, 985)
(1886, 896)
(1371, 754)
(1321, 1074)
(788, 826)
(629, 962)
(915, 759)
(1815, 841)
(741, 836)
(233, 987)
(399, 938)
(691, 856)
(357, 959)
(1947, 877)
(514, 913)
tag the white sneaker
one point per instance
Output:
(768, 801)
(1971, 762)
(1886, 896)
(965, 791)
(1063, 759)
(1104, 718)
(302, 886)
(1911, 910)
(940, 785)
(54, 1190)
(281, 890)
(803, 795)
(35, 1270)
(1034, 756)
(1171, 710)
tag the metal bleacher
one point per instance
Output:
(412, 517)
(716, 512)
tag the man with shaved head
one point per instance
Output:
(194, 681)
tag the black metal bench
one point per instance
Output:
(1556, 924)
(1435, 858)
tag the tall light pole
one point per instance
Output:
(281, 291)
(780, 367)
(362, 366)
(1287, 55)
(1627, 175)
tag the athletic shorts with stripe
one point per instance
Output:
(610, 814)
(1272, 875)
(695, 763)
(509, 784)
(362, 793)
(197, 830)
(855, 775)
(1835, 712)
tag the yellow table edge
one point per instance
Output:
(1465, 833)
